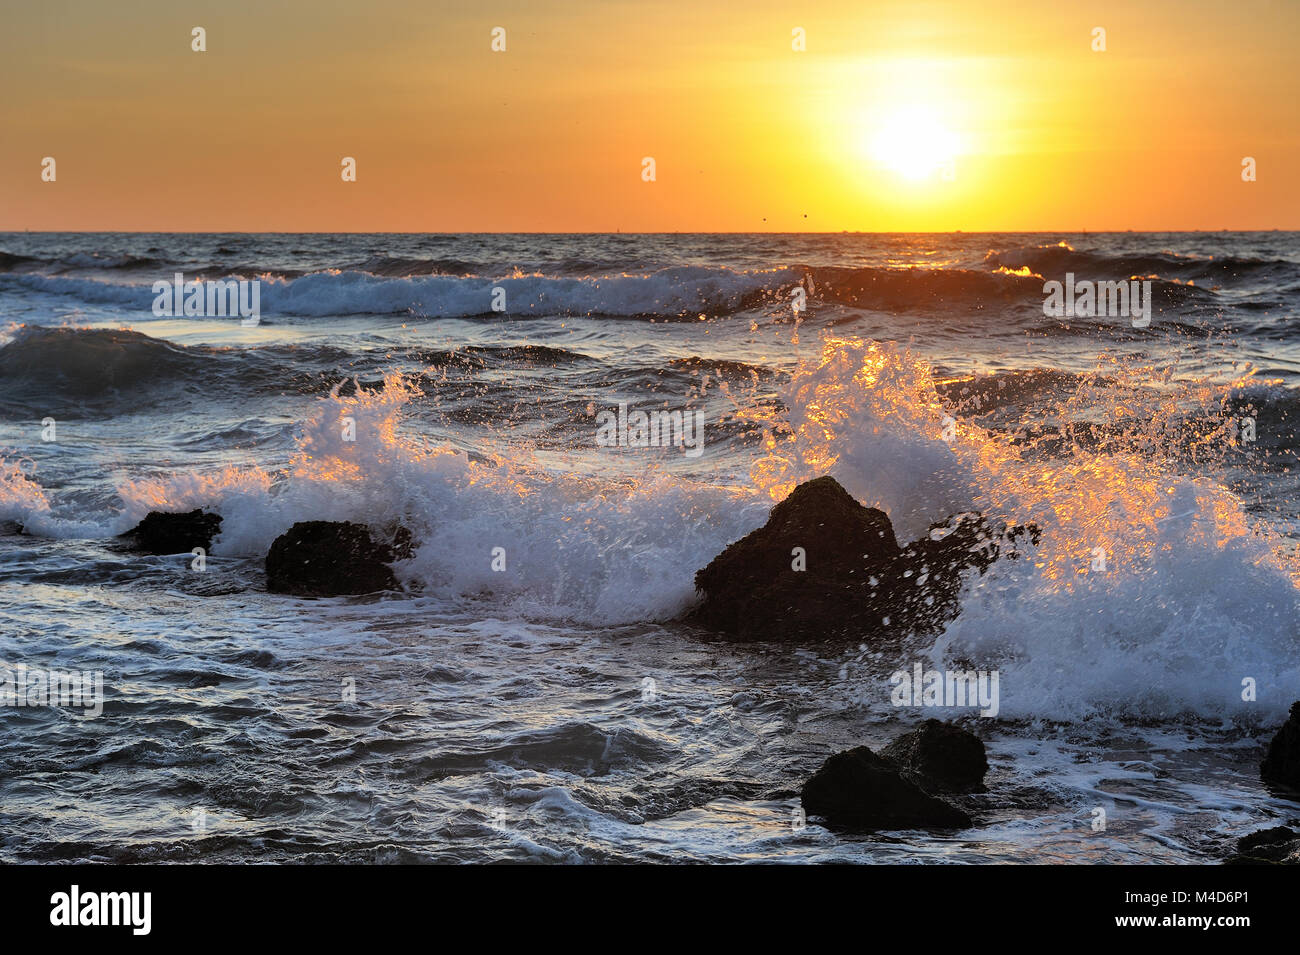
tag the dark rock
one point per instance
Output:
(164, 533)
(940, 757)
(753, 592)
(329, 559)
(1275, 846)
(861, 791)
(856, 576)
(1282, 764)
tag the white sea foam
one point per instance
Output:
(684, 291)
(1192, 601)
(573, 548)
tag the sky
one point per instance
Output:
(923, 115)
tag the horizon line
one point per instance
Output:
(653, 233)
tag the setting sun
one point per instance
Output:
(913, 142)
(648, 432)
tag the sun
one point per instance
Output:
(914, 142)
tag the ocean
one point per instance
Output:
(531, 694)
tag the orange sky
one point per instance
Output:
(747, 134)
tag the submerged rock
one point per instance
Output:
(940, 757)
(1276, 846)
(1282, 764)
(862, 791)
(824, 565)
(166, 533)
(331, 559)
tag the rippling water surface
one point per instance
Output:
(555, 711)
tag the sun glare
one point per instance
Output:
(914, 142)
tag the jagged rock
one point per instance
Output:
(751, 589)
(940, 757)
(166, 533)
(1282, 764)
(856, 580)
(862, 791)
(330, 559)
(1276, 846)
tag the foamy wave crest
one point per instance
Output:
(21, 498)
(574, 549)
(1178, 636)
(1188, 599)
(870, 414)
(24, 502)
(1150, 593)
(684, 292)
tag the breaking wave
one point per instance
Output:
(1190, 598)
